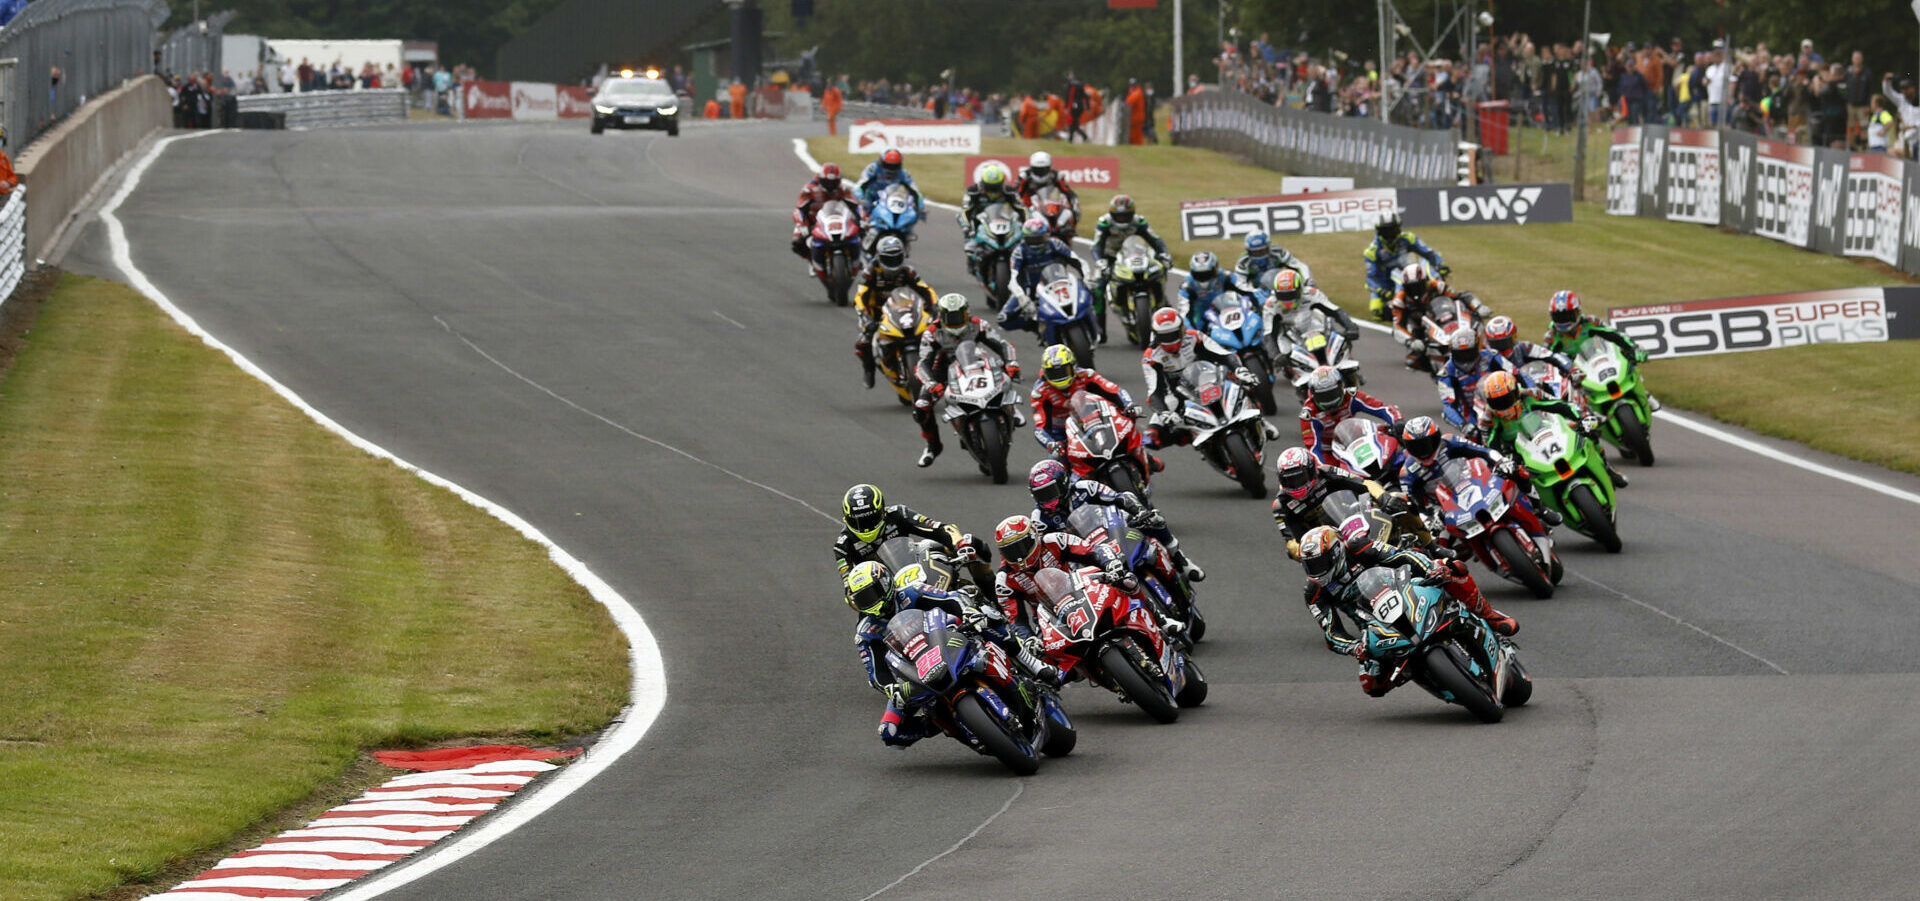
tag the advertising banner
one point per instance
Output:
(1286, 214)
(1737, 168)
(1783, 192)
(534, 100)
(1727, 325)
(870, 136)
(1487, 205)
(1102, 172)
(487, 100)
(575, 102)
(1623, 172)
(1910, 229)
(1692, 176)
(1653, 156)
(1873, 207)
(1827, 234)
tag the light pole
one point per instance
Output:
(1179, 70)
(1580, 102)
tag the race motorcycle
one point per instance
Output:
(1137, 287)
(1227, 429)
(1062, 215)
(1419, 633)
(1617, 393)
(1567, 470)
(991, 250)
(1367, 449)
(1064, 308)
(1444, 315)
(836, 241)
(972, 692)
(1235, 323)
(1171, 597)
(919, 560)
(1105, 446)
(1480, 512)
(982, 405)
(1100, 633)
(894, 213)
(1351, 512)
(896, 344)
(1317, 341)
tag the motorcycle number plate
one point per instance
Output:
(1548, 446)
(1362, 453)
(928, 662)
(640, 119)
(1209, 394)
(1387, 606)
(1078, 618)
(1232, 320)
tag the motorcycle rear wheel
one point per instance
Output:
(1447, 672)
(1078, 337)
(1146, 693)
(1246, 470)
(1194, 693)
(1633, 435)
(1013, 753)
(998, 276)
(1521, 564)
(1593, 515)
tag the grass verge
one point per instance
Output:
(1860, 401)
(212, 606)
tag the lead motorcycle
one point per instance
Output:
(1099, 633)
(1104, 445)
(1483, 513)
(1617, 393)
(1226, 425)
(982, 405)
(836, 242)
(1419, 633)
(1170, 595)
(972, 692)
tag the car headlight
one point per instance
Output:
(603, 110)
(669, 110)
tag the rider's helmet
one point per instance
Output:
(1416, 280)
(1258, 245)
(1017, 539)
(1204, 266)
(1501, 394)
(1057, 365)
(1464, 347)
(1421, 438)
(1168, 329)
(1120, 208)
(1049, 482)
(1040, 164)
(890, 160)
(954, 314)
(830, 176)
(993, 178)
(863, 511)
(867, 587)
(1327, 390)
(1285, 284)
(1297, 471)
(1324, 555)
(1500, 332)
(1388, 228)
(1565, 310)
(1035, 233)
(890, 253)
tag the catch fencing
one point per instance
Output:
(1831, 201)
(13, 241)
(95, 45)
(1301, 142)
(321, 108)
(195, 47)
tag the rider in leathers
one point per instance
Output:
(957, 324)
(1389, 243)
(1121, 222)
(1427, 450)
(1330, 401)
(889, 270)
(1056, 494)
(1038, 174)
(1024, 551)
(1466, 365)
(1411, 302)
(884, 173)
(1050, 401)
(1504, 403)
(867, 523)
(1038, 249)
(1173, 349)
(1201, 289)
(1263, 257)
(824, 187)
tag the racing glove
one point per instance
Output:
(1134, 411)
(936, 389)
(1504, 466)
(1245, 376)
(1589, 423)
(974, 618)
(1146, 519)
(1013, 371)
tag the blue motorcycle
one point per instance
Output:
(895, 212)
(971, 691)
(1417, 632)
(1235, 323)
(1146, 559)
(1065, 310)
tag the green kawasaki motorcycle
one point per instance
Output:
(1567, 471)
(1617, 393)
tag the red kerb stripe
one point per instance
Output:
(288, 872)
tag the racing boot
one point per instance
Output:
(1273, 431)
(1188, 568)
(1377, 305)
(927, 456)
(1478, 603)
(1155, 463)
(1045, 673)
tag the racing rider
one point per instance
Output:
(1263, 257)
(867, 522)
(890, 270)
(1330, 400)
(1427, 450)
(1060, 377)
(1205, 284)
(1419, 288)
(956, 324)
(1389, 244)
(1571, 328)
(1466, 365)
(824, 187)
(1120, 222)
(1039, 174)
(1172, 349)
(1503, 403)
(1501, 339)
(1285, 289)
(1056, 494)
(1038, 249)
(883, 173)
(1025, 550)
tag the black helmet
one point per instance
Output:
(891, 252)
(1421, 438)
(1388, 228)
(864, 511)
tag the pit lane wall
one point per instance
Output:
(1830, 201)
(1372, 153)
(63, 165)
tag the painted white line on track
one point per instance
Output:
(1018, 789)
(649, 677)
(1676, 620)
(730, 320)
(1699, 428)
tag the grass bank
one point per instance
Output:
(211, 606)
(1861, 401)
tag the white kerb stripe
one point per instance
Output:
(476, 794)
(395, 804)
(279, 882)
(298, 861)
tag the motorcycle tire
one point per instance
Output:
(1146, 693)
(1633, 434)
(1194, 693)
(1196, 621)
(838, 279)
(1060, 739)
(1078, 337)
(999, 741)
(998, 277)
(1521, 564)
(993, 448)
(1519, 686)
(1246, 470)
(1450, 674)
(1262, 392)
(1593, 515)
(909, 367)
(1143, 308)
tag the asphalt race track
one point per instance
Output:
(609, 336)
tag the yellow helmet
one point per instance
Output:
(1057, 365)
(867, 590)
(863, 511)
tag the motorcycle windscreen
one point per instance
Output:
(1232, 312)
(1544, 440)
(898, 553)
(1464, 485)
(1602, 366)
(835, 219)
(1099, 522)
(904, 310)
(1384, 591)
(1207, 381)
(977, 372)
(1070, 606)
(1547, 378)
(1358, 443)
(1136, 255)
(927, 641)
(898, 200)
(1096, 429)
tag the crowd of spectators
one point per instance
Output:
(201, 99)
(1065, 113)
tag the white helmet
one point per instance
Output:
(1040, 160)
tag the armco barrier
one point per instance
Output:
(13, 241)
(321, 108)
(1372, 153)
(64, 164)
(1830, 201)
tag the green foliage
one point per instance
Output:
(469, 31)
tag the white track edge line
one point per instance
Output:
(1699, 428)
(649, 685)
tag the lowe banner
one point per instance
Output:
(1727, 325)
(1358, 210)
(1829, 201)
(1372, 153)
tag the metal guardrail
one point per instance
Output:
(96, 45)
(312, 109)
(13, 241)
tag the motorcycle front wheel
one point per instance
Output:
(1593, 515)
(1262, 392)
(1633, 434)
(1149, 694)
(1467, 691)
(1246, 470)
(993, 448)
(1078, 337)
(994, 734)
(838, 279)
(1510, 551)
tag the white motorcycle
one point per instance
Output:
(1225, 422)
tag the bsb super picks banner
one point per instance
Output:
(1726, 325)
